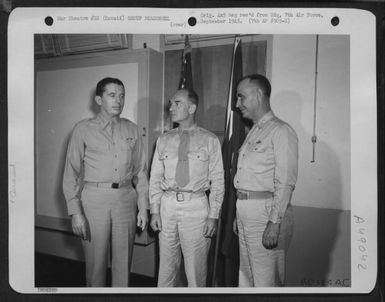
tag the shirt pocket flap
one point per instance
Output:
(200, 155)
(167, 155)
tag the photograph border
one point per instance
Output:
(182, 291)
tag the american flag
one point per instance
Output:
(228, 259)
(186, 73)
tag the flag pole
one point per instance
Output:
(314, 137)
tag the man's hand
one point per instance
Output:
(80, 226)
(142, 219)
(235, 226)
(270, 235)
(156, 222)
(210, 227)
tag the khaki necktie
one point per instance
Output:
(110, 128)
(182, 176)
(113, 128)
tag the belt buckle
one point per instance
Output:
(179, 196)
(115, 185)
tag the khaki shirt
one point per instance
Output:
(94, 155)
(268, 161)
(205, 168)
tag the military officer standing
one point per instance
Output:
(105, 157)
(265, 179)
(187, 162)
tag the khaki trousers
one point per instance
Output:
(261, 267)
(111, 214)
(182, 232)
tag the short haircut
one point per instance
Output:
(259, 80)
(102, 84)
(191, 95)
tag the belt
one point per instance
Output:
(111, 185)
(185, 196)
(253, 195)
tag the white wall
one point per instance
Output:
(326, 182)
(319, 254)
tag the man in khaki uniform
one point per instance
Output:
(265, 179)
(106, 155)
(187, 162)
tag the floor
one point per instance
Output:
(52, 271)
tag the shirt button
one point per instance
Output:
(116, 169)
(116, 156)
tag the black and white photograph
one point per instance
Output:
(197, 161)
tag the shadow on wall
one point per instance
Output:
(94, 107)
(316, 230)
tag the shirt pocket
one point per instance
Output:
(261, 158)
(166, 155)
(93, 145)
(125, 150)
(127, 143)
(198, 163)
(257, 146)
(169, 160)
